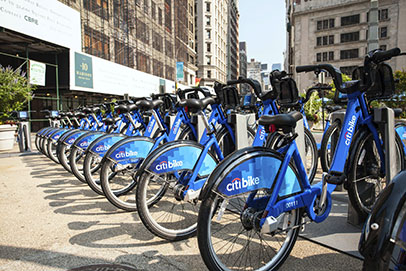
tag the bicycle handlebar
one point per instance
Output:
(252, 82)
(380, 56)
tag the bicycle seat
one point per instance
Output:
(196, 104)
(95, 109)
(397, 111)
(80, 114)
(87, 110)
(111, 121)
(122, 108)
(282, 121)
(69, 114)
(146, 105)
(351, 86)
(333, 108)
(132, 107)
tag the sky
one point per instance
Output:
(263, 26)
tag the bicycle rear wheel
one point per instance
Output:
(328, 145)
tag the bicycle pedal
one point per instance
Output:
(336, 179)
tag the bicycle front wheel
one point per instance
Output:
(228, 242)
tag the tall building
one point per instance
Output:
(213, 36)
(147, 35)
(233, 41)
(243, 59)
(336, 32)
(254, 69)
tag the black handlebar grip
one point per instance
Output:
(307, 68)
(380, 56)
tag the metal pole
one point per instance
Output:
(28, 77)
(373, 24)
(57, 83)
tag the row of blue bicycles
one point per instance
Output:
(176, 160)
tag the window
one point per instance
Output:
(382, 47)
(209, 74)
(160, 16)
(348, 37)
(142, 33)
(325, 24)
(208, 60)
(99, 7)
(324, 56)
(208, 20)
(348, 54)
(348, 70)
(350, 20)
(168, 16)
(331, 55)
(208, 36)
(96, 43)
(157, 42)
(207, 6)
(383, 14)
(383, 32)
(208, 46)
(143, 62)
(325, 40)
(318, 57)
(168, 48)
(331, 39)
(318, 41)
(123, 54)
(146, 6)
(153, 10)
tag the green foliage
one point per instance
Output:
(330, 94)
(15, 91)
(313, 108)
(399, 100)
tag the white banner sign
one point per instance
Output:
(37, 73)
(94, 74)
(49, 20)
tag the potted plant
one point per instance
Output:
(15, 91)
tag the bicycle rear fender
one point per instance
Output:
(54, 136)
(69, 132)
(130, 150)
(376, 243)
(247, 170)
(102, 144)
(178, 155)
(84, 140)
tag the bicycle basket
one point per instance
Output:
(383, 84)
(288, 92)
(228, 97)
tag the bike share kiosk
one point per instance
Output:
(24, 132)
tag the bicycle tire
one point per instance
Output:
(91, 165)
(117, 192)
(327, 148)
(213, 231)
(77, 154)
(52, 151)
(361, 192)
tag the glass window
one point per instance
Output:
(331, 39)
(318, 41)
(319, 25)
(325, 40)
(208, 46)
(207, 6)
(383, 14)
(332, 23)
(382, 47)
(324, 56)
(331, 55)
(208, 74)
(348, 37)
(348, 54)
(208, 34)
(383, 32)
(318, 57)
(350, 20)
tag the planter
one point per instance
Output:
(7, 140)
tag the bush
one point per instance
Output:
(15, 91)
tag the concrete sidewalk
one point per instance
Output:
(51, 221)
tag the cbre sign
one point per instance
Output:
(48, 20)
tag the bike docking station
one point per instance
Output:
(24, 132)
(241, 123)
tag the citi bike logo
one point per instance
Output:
(166, 165)
(176, 126)
(84, 144)
(151, 126)
(350, 130)
(71, 141)
(124, 154)
(103, 147)
(238, 183)
(262, 133)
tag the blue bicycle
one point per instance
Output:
(256, 201)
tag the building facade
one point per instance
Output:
(147, 35)
(336, 32)
(212, 38)
(233, 41)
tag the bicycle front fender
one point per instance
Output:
(84, 140)
(130, 150)
(247, 170)
(102, 144)
(179, 155)
(376, 243)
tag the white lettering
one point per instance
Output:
(238, 183)
(124, 154)
(167, 165)
(350, 130)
